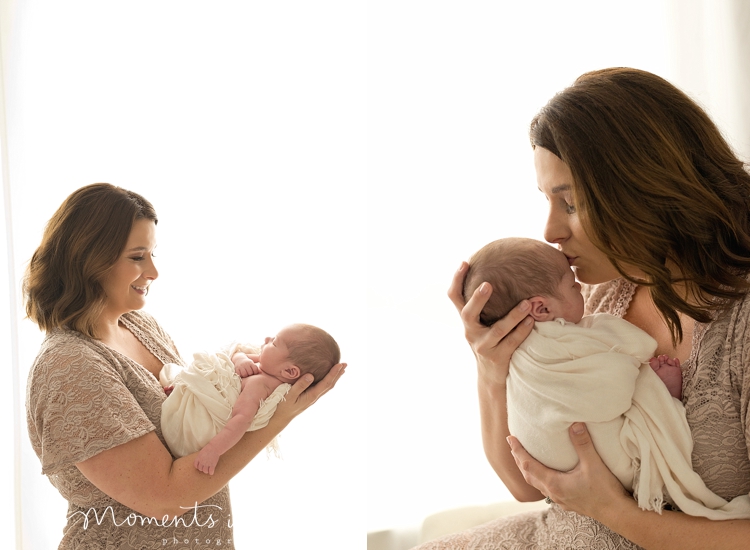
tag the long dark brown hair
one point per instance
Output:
(654, 184)
(81, 243)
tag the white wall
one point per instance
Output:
(252, 127)
(453, 89)
(244, 124)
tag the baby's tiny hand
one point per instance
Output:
(206, 460)
(245, 365)
(247, 368)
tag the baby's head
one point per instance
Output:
(520, 269)
(299, 349)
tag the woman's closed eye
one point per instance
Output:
(141, 258)
(566, 204)
(566, 201)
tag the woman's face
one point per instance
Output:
(563, 225)
(127, 283)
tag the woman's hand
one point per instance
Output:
(300, 397)
(492, 346)
(590, 488)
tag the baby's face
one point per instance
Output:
(275, 351)
(568, 303)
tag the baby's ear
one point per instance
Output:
(292, 372)
(540, 308)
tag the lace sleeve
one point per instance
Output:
(78, 404)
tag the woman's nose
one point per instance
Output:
(151, 272)
(555, 230)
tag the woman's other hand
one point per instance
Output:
(301, 395)
(590, 488)
(492, 346)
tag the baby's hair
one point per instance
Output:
(517, 269)
(313, 350)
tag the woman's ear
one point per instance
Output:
(292, 372)
(540, 308)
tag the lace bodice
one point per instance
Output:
(84, 398)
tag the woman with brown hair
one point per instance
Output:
(652, 209)
(94, 398)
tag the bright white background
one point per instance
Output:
(244, 124)
(252, 126)
(453, 89)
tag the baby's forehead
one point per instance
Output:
(553, 258)
(289, 334)
(535, 250)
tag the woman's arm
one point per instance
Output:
(493, 348)
(592, 490)
(142, 475)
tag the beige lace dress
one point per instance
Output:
(716, 394)
(83, 398)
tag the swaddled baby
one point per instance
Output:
(219, 397)
(596, 369)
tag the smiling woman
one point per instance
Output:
(126, 285)
(94, 399)
(78, 269)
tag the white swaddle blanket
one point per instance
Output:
(201, 403)
(597, 372)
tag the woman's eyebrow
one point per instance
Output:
(563, 187)
(557, 188)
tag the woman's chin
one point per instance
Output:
(138, 304)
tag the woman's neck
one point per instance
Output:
(107, 328)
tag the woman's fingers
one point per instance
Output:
(303, 395)
(456, 290)
(511, 330)
(534, 472)
(588, 488)
(336, 372)
(493, 345)
(475, 305)
(471, 310)
(581, 440)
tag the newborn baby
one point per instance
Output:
(219, 397)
